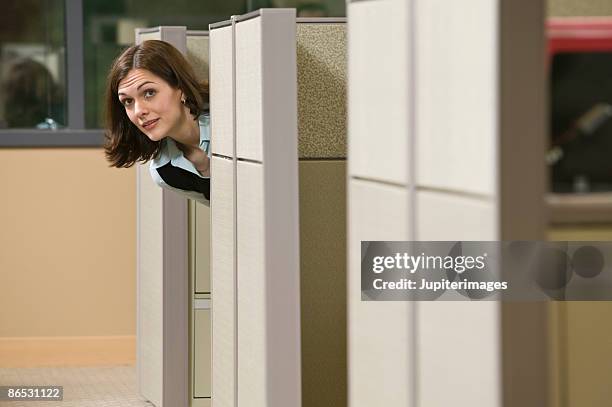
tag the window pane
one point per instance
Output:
(32, 64)
(109, 27)
(581, 121)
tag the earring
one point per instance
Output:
(183, 101)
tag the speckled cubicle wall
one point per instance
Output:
(321, 56)
(321, 69)
(197, 52)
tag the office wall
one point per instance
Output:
(563, 8)
(67, 256)
(581, 349)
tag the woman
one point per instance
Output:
(156, 110)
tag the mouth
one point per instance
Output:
(148, 125)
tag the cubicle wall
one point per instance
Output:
(321, 70)
(248, 101)
(254, 208)
(436, 112)
(162, 277)
(200, 345)
(174, 296)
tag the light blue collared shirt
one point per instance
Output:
(171, 153)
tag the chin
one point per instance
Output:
(154, 135)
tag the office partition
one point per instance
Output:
(256, 329)
(440, 96)
(173, 305)
(252, 69)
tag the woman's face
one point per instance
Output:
(151, 103)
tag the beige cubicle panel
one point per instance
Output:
(162, 277)
(223, 275)
(174, 272)
(223, 207)
(435, 107)
(255, 142)
(380, 341)
(320, 47)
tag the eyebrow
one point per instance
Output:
(139, 86)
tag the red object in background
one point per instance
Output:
(579, 34)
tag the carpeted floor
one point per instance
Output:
(107, 386)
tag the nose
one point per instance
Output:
(141, 110)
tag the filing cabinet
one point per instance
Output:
(200, 328)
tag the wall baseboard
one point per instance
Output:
(67, 351)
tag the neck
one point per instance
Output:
(188, 132)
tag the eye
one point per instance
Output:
(127, 102)
(149, 93)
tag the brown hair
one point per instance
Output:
(125, 143)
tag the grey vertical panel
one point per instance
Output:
(75, 65)
(281, 183)
(176, 300)
(523, 183)
(269, 342)
(177, 36)
(163, 298)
